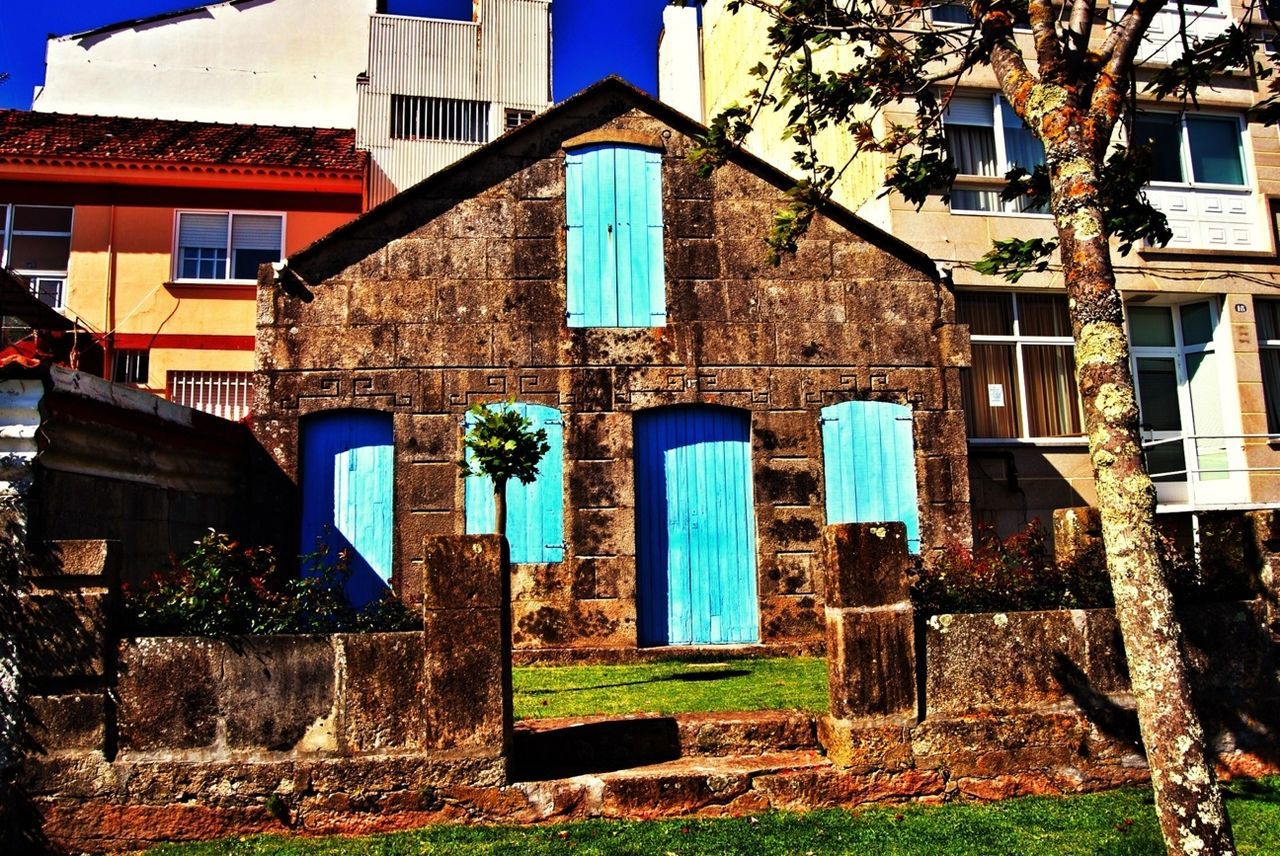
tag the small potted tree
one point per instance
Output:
(502, 445)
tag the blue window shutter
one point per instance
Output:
(657, 269)
(591, 264)
(535, 512)
(615, 253)
(347, 480)
(575, 247)
(869, 464)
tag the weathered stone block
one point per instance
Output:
(603, 532)
(695, 258)
(468, 680)
(68, 722)
(565, 624)
(785, 482)
(865, 564)
(382, 687)
(277, 693)
(168, 694)
(66, 635)
(464, 571)
(871, 662)
(536, 258)
(83, 558)
(1004, 660)
(867, 745)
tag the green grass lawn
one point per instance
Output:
(671, 687)
(1115, 823)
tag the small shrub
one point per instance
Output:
(225, 589)
(1013, 573)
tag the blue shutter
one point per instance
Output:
(535, 512)
(695, 520)
(347, 483)
(869, 463)
(614, 245)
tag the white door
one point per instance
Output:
(1180, 395)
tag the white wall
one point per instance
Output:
(680, 61)
(266, 62)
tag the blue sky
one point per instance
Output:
(591, 38)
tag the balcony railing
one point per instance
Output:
(1214, 472)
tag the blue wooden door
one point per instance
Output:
(535, 511)
(347, 483)
(614, 245)
(695, 527)
(870, 466)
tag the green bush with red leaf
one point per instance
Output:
(222, 588)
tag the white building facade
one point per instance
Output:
(421, 92)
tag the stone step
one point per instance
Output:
(556, 748)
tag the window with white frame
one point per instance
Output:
(1193, 148)
(227, 245)
(1200, 180)
(35, 241)
(423, 117)
(979, 152)
(1268, 321)
(225, 394)
(1022, 381)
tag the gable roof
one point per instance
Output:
(25, 134)
(519, 142)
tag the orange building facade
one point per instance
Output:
(149, 234)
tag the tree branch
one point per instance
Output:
(1116, 63)
(1048, 48)
(1078, 30)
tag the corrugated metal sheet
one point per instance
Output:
(423, 56)
(515, 51)
(19, 422)
(504, 59)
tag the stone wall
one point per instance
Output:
(454, 294)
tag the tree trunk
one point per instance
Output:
(1188, 801)
(500, 507)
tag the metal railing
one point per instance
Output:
(225, 394)
(1208, 462)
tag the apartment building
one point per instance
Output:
(148, 234)
(421, 92)
(244, 130)
(1203, 312)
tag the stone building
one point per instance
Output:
(707, 412)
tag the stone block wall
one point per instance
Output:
(455, 294)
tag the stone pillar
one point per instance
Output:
(66, 641)
(467, 631)
(871, 661)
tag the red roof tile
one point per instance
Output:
(24, 134)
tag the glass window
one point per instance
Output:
(227, 246)
(1213, 152)
(1268, 315)
(1162, 132)
(36, 239)
(1151, 326)
(1022, 381)
(1216, 155)
(515, 118)
(979, 151)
